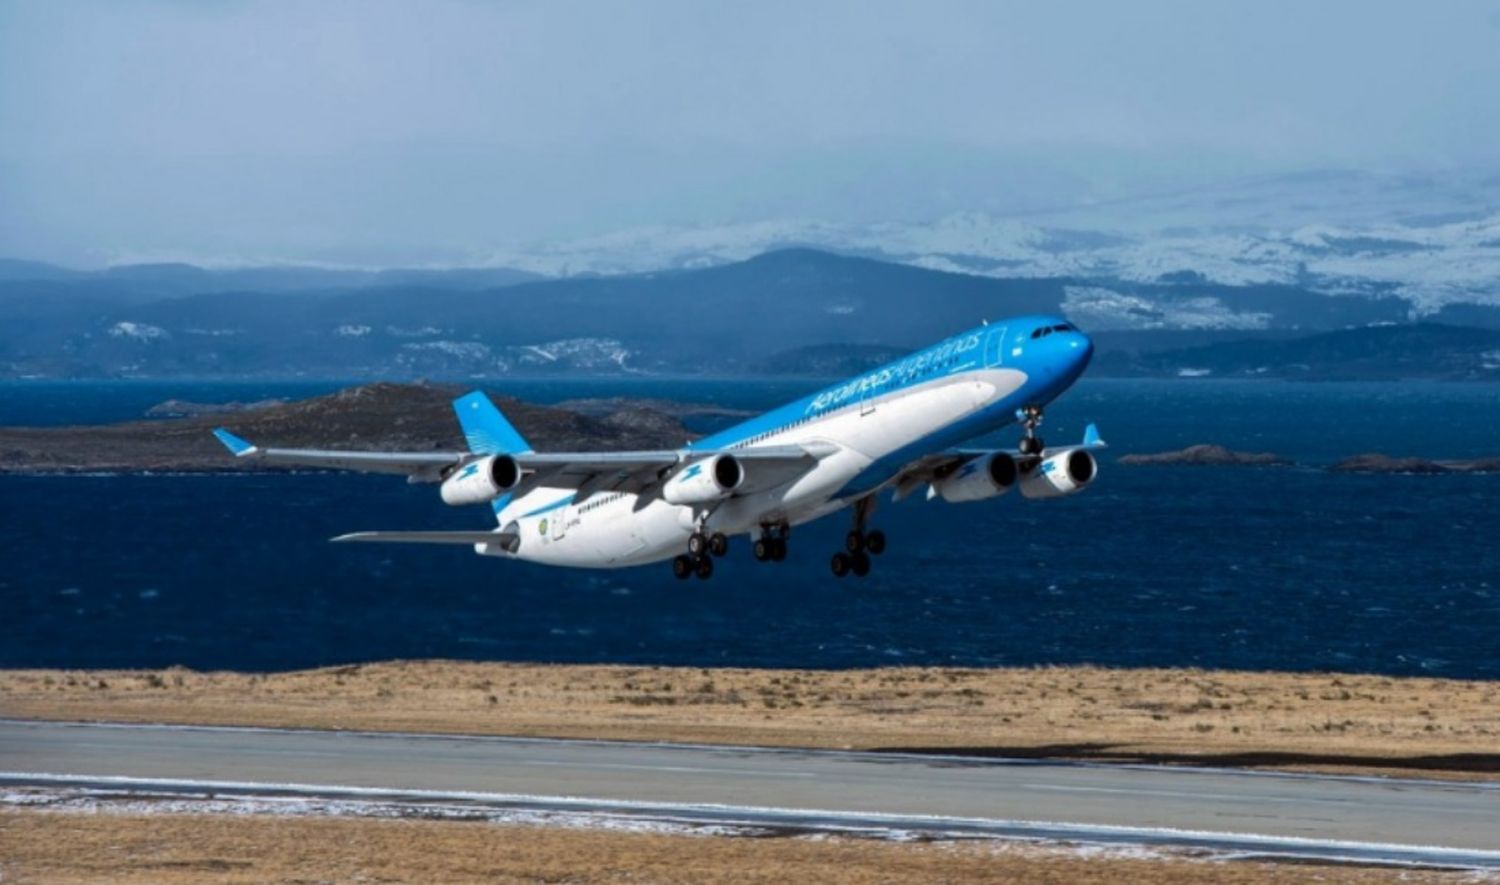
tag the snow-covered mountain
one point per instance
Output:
(1429, 242)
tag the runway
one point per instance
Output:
(1235, 812)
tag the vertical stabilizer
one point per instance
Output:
(487, 431)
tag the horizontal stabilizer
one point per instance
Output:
(506, 540)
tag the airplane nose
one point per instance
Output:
(1085, 351)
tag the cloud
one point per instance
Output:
(369, 131)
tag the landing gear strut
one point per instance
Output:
(1030, 418)
(859, 545)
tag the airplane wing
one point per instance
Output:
(418, 466)
(506, 540)
(589, 472)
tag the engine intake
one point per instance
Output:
(988, 476)
(482, 481)
(1064, 473)
(705, 481)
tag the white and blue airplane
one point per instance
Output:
(893, 428)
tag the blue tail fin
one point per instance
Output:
(486, 430)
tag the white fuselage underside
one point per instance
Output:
(608, 531)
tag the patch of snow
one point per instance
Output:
(464, 350)
(138, 331)
(1104, 309)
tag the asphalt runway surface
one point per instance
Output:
(1240, 813)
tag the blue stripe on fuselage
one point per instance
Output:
(961, 353)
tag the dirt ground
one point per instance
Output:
(40, 846)
(1324, 722)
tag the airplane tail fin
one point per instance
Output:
(486, 430)
(488, 433)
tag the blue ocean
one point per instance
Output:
(1258, 568)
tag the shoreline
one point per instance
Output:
(1299, 722)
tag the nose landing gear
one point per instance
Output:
(1030, 418)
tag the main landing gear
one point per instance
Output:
(771, 545)
(1031, 418)
(699, 560)
(859, 545)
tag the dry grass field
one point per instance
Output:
(1325, 722)
(38, 846)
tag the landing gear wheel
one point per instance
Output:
(854, 541)
(718, 544)
(762, 549)
(841, 564)
(705, 568)
(778, 549)
(697, 544)
(682, 567)
(860, 563)
(1032, 445)
(875, 542)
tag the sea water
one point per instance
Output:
(1264, 568)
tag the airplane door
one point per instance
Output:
(560, 522)
(994, 348)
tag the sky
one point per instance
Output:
(381, 133)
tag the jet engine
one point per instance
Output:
(705, 481)
(482, 481)
(1063, 473)
(985, 477)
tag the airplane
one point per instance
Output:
(894, 428)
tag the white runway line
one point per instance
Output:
(824, 820)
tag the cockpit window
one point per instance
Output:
(1042, 332)
(1062, 328)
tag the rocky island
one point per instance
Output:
(406, 417)
(1378, 463)
(1210, 455)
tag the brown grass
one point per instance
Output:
(39, 846)
(1328, 722)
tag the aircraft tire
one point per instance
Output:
(840, 564)
(854, 541)
(697, 544)
(762, 549)
(705, 568)
(718, 544)
(778, 549)
(860, 563)
(1032, 445)
(682, 567)
(875, 542)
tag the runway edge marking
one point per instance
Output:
(1241, 844)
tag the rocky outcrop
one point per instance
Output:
(1210, 455)
(1378, 463)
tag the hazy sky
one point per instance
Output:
(384, 133)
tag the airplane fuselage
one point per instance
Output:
(871, 427)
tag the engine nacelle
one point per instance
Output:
(482, 481)
(986, 477)
(1063, 473)
(706, 481)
